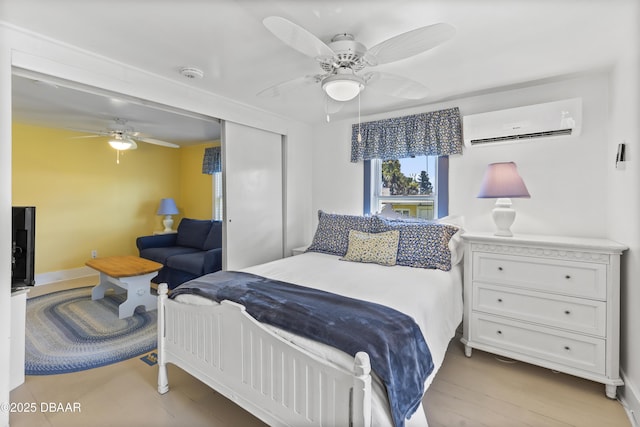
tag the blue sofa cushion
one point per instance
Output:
(162, 254)
(214, 238)
(191, 263)
(192, 233)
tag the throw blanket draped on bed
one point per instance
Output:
(398, 352)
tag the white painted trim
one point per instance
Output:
(630, 399)
(58, 276)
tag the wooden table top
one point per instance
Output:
(124, 266)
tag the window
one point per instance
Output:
(217, 196)
(414, 187)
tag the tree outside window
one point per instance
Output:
(407, 185)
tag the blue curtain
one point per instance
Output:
(212, 161)
(437, 133)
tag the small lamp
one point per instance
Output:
(167, 208)
(502, 181)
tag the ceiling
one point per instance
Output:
(498, 44)
(44, 103)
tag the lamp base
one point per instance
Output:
(168, 224)
(503, 216)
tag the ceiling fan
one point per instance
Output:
(123, 137)
(344, 58)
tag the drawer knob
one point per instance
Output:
(566, 347)
(499, 332)
(499, 268)
(567, 277)
(499, 299)
(567, 312)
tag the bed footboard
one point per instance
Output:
(279, 383)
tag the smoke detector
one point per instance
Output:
(192, 72)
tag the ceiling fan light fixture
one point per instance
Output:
(122, 143)
(343, 87)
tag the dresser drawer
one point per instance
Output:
(571, 350)
(575, 314)
(575, 278)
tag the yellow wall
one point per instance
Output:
(195, 187)
(85, 201)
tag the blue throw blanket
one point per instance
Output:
(394, 342)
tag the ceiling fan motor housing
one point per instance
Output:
(120, 126)
(348, 54)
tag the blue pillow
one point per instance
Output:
(192, 233)
(422, 244)
(332, 234)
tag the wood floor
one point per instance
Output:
(477, 391)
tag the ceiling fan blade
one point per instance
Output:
(288, 86)
(158, 142)
(87, 136)
(297, 37)
(93, 133)
(409, 44)
(398, 86)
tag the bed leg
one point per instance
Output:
(361, 397)
(163, 379)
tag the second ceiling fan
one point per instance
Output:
(343, 59)
(123, 137)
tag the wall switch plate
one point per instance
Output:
(94, 253)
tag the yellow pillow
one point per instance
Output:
(379, 248)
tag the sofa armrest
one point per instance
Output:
(213, 260)
(156, 241)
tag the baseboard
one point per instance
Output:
(59, 276)
(630, 398)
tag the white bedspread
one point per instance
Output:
(433, 298)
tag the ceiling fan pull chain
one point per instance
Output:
(359, 134)
(326, 107)
(117, 157)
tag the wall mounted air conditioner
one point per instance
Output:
(558, 118)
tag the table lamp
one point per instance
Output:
(167, 208)
(502, 181)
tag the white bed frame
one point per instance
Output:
(279, 383)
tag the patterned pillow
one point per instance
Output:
(379, 248)
(422, 244)
(332, 234)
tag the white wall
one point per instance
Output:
(5, 221)
(566, 177)
(31, 52)
(624, 203)
(575, 189)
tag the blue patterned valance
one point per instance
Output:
(212, 161)
(437, 133)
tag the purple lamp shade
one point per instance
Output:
(501, 180)
(167, 207)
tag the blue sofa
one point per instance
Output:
(195, 250)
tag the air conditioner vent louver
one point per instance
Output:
(558, 132)
(532, 122)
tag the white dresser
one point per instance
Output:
(547, 300)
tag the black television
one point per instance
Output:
(23, 237)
